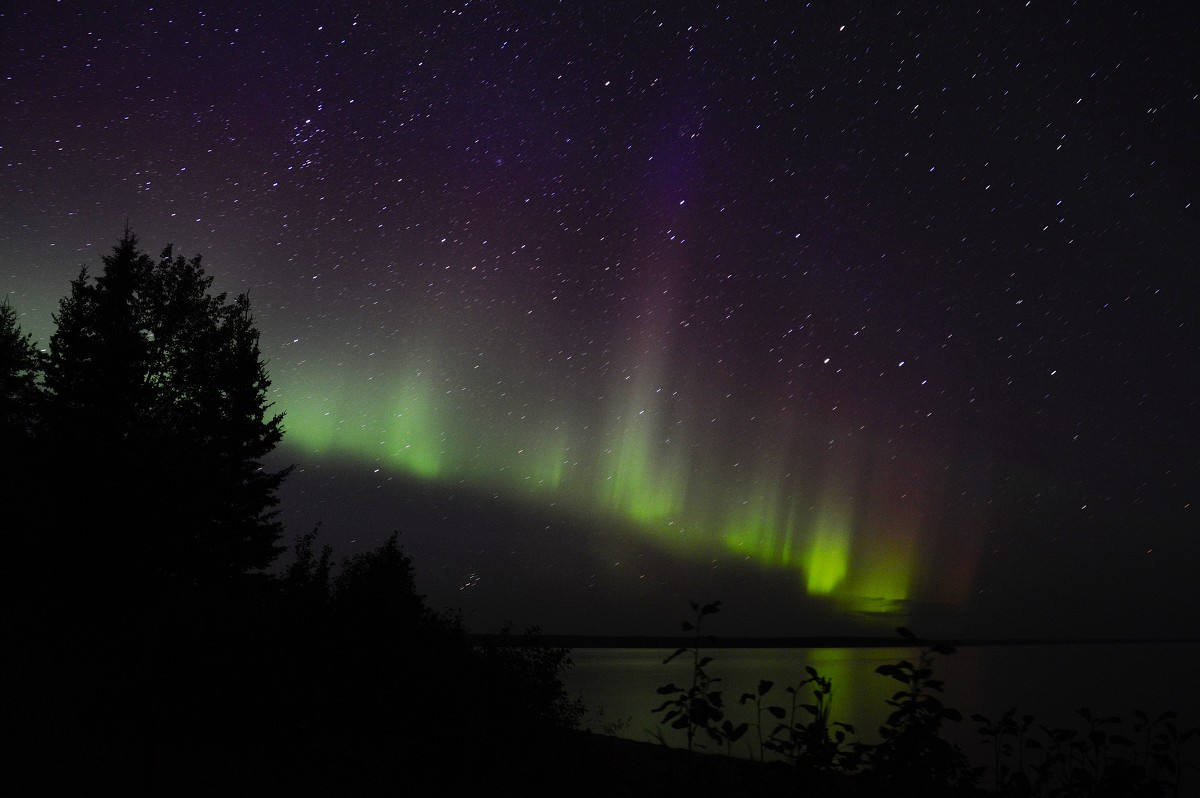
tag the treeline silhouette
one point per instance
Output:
(156, 652)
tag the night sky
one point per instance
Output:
(846, 316)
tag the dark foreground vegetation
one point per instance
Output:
(159, 647)
(156, 647)
(1099, 756)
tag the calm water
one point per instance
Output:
(1049, 681)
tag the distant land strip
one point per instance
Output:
(607, 641)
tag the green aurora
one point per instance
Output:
(840, 512)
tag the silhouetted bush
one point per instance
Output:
(700, 706)
(912, 757)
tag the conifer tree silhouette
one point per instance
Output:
(20, 366)
(158, 415)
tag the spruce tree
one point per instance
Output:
(157, 405)
(20, 403)
(20, 367)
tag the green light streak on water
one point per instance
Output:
(835, 664)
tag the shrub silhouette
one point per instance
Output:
(809, 739)
(699, 707)
(912, 751)
(912, 757)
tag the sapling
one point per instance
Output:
(699, 707)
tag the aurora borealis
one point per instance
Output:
(851, 315)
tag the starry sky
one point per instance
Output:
(846, 315)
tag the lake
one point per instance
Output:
(1050, 681)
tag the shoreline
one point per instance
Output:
(641, 641)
